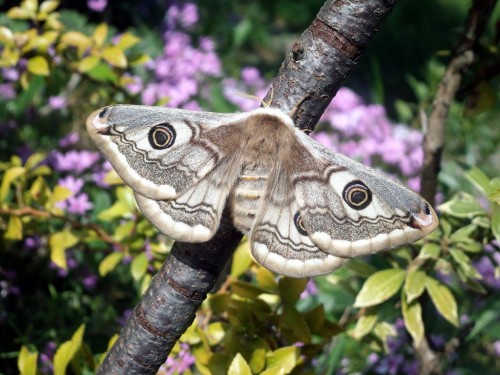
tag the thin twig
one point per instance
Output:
(462, 57)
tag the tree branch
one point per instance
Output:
(313, 71)
(462, 57)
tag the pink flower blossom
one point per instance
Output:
(75, 161)
(97, 5)
(57, 102)
(78, 204)
(71, 183)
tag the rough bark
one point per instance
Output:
(314, 69)
(462, 57)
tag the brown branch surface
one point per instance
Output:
(462, 57)
(313, 71)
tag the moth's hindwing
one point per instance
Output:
(349, 209)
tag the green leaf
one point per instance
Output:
(102, 73)
(241, 259)
(114, 56)
(26, 361)
(414, 284)
(127, 40)
(239, 366)
(258, 360)
(462, 209)
(290, 289)
(430, 250)
(443, 299)
(100, 34)
(9, 177)
(379, 287)
(495, 224)
(59, 242)
(67, 351)
(365, 324)
(26, 97)
(139, 266)
(48, 6)
(361, 268)
(412, 315)
(295, 322)
(14, 230)
(88, 63)
(38, 65)
(283, 358)
(109, 263)
(485, 320)
(266, 279)
(247, 290)
(479, 179)
(495, 197)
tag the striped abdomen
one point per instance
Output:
(246, 197)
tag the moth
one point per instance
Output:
(305, 209)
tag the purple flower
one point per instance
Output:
(10, 74)
(97, 5)
(487, 270)
(189, 15)
(57, 102)
(78, 204)
(496, 348)
(7, 90)
(71, 183)
(310, 290)
(178, 364)
(250, 75)
(75, 161)
(69, 140)
(32, 243)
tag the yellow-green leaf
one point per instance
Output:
(365, 325)
(127, 40)
(26, 362)
(114, 56)
(59, 242)
(67, 351)
(88, 62)
(414, 284)
(14, 229)
(239, 366)
(140, 60)
(38, 65)
(379, 287)
(139, 266)
(9, 177)
(100, 34)
(18, 13)
(61, 193)
(266, 279)
(412, 315)
(290, 288)
(241, 260)
(443, 299)
(258, 360)
(109, 263)
(48, 6)
(495, 224)
(76, 39)
(34, 160)
(429, 251)
(6, 36)
(283, 358)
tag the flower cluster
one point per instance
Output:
(75, 165)
(400, 359)
(180, 73)
(365, 133)
(178, 364)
